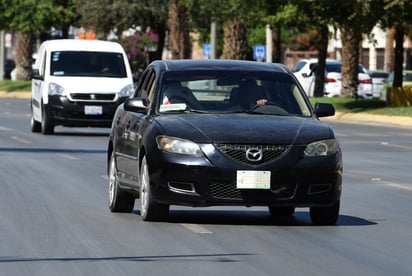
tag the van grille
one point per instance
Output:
(93, 97)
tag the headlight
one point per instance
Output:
(179, 146)
(322, 148)
(126, 91)
(55, 89)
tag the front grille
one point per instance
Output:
(237, 152)
(93, 97)
(225, 190)
(228, 190)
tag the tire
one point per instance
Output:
(149, 209)
(47, 126)
(35, 126)
(119, 201)
(325, 215)
(281, 211)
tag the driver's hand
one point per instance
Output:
(261, 102)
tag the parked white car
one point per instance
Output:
(304, 71)
(78, 83)
(378, 81)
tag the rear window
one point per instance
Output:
(87, 64)
(337, 68)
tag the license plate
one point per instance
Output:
(253, 180)
(93, 110)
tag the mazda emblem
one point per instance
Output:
(254, 154)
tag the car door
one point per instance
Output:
(129, 136)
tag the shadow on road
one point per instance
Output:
(195, 257)
(234, 217)
(46, 150)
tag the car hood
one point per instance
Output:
(244, 128)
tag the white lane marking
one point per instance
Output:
(5, 129)
(68, 156)
(21, 140)
(196, 228)
(397, 186)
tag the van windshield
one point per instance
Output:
(86, 64)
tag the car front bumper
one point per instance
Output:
(309, 183)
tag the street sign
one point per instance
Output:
(207, 49)
(259, 52)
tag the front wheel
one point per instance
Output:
(119, 201)
(34, 125)
(325, 215)
(47, 126)
(150, 210)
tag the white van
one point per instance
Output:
(78, 83)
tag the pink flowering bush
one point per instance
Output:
(137, 47)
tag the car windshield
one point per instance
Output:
(227, 92)
(86, 64)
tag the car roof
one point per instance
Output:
(82, 45)
(219, 64)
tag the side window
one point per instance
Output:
(145, 84)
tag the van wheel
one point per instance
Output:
(35, 125)
(46, 124)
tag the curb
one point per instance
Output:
(16, 94)
(371, 119)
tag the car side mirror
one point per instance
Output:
(36, 74)
(324, 109)
(138, 105)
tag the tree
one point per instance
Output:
(180, 43)
(398, 17)
(120, 15)
(30, 18)
(315, 15)
(354, 18)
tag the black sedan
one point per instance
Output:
(223, 132)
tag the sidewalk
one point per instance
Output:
(344, 117)
(371, 119)
(19, 95)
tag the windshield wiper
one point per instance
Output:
(196, 111)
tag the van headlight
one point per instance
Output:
(179, 146)
(322, 148)
(55, 89)
(126, 91)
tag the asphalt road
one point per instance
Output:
(55, 220)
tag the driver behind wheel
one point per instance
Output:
(251, 94)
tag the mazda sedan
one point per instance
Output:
(223, 132)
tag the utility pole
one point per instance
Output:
(2, 55)
(269, 42)
(213, 40)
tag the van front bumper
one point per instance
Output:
(63, 111)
